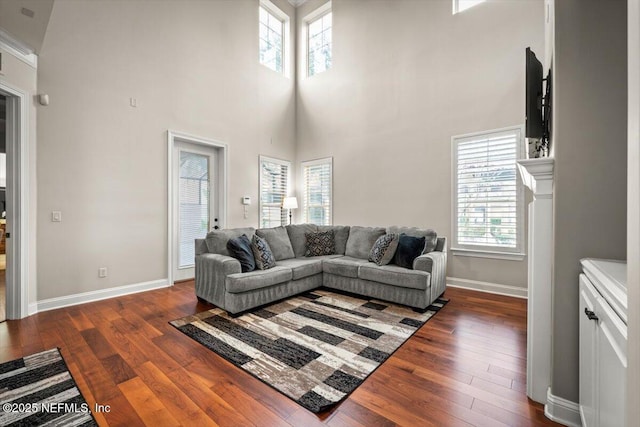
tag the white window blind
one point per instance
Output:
(317, 191)
(193, 194)
(274, 186)
(319, 40)
(272, 36)
(487, 208)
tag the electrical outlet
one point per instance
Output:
(102, 272)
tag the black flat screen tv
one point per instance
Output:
(534, 122)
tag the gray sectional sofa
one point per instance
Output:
(219, 279)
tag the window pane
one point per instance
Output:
(319, 45)
(271, 44)
(487, 190)
(317, 189)
(315, 28)
(274, 183)
(193, 193)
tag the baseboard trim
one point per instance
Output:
(562, 411)
(32, 309)
(491, 288)
(85, 297)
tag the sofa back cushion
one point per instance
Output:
(340, 235)
(361, 240)
(296, 236)
(278, 241)
(217, 239)
(430, 236)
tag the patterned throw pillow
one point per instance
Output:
(384, 249)
(320, 243)
(262, 252)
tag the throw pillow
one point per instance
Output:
(278, 240)
(320, 243)
(384, 249)
(431, 237)
(409, 248)
(262, 252)
(240, 249)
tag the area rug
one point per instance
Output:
(39, 390)
(315, 348)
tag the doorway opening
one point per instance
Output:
(197, 198)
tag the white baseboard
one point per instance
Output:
(75, 299)
(492, 288)
(562, 411)
(32, 308)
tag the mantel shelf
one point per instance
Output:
(537, 175)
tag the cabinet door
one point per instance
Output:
(612, 366)
(588, 330)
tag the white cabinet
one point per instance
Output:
(603, 343)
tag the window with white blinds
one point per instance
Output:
(274, 186)
(317, 198)
(487, 195)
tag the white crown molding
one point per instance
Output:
(296, 3)
(18, 49)
(75, 299)
(490, 288)
(562, 411)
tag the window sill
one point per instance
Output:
(512, 256)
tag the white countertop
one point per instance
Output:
(609, 277)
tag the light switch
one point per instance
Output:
(56, 216)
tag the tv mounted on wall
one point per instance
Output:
(537, 106)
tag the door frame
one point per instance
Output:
(17, 247)
(222, 150)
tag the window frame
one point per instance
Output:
(276, 12)
(488, 251)
(283, 212)
(305, 204)
(312, 17)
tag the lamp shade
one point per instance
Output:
(290, 203)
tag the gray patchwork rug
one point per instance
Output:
(315, 348)
(39, 390)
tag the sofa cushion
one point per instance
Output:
(217, 239)
(244, 282)
(240, 249)
(431, 237)
(343, 266)
(340, 234)
(262, 253)
(278, 241)
(395, 276)
(361, 240)
(305, 267)
(409, 248)
(384, 249)
(320, 243)
(296, 234)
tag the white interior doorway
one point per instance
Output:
(197, 197)
(16, 230)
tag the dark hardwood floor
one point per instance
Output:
(465, 367)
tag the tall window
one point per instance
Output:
(318, 191)
(319, 43)
(460, 5)
(274, 186)
(274, 27)
(488, 197)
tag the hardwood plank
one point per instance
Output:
(146, 404)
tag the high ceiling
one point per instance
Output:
(26, 20)
(296, 3)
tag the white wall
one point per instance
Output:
(193, 67)
(590, 148)
(407, 76)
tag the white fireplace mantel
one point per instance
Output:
(537, 175)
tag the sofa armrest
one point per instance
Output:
(201, 247)
(211, 273)
(435, 263)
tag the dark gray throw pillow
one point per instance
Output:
(384, 249)
(409, 248)
(262, 252)
(320, 243)
(240, 249)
